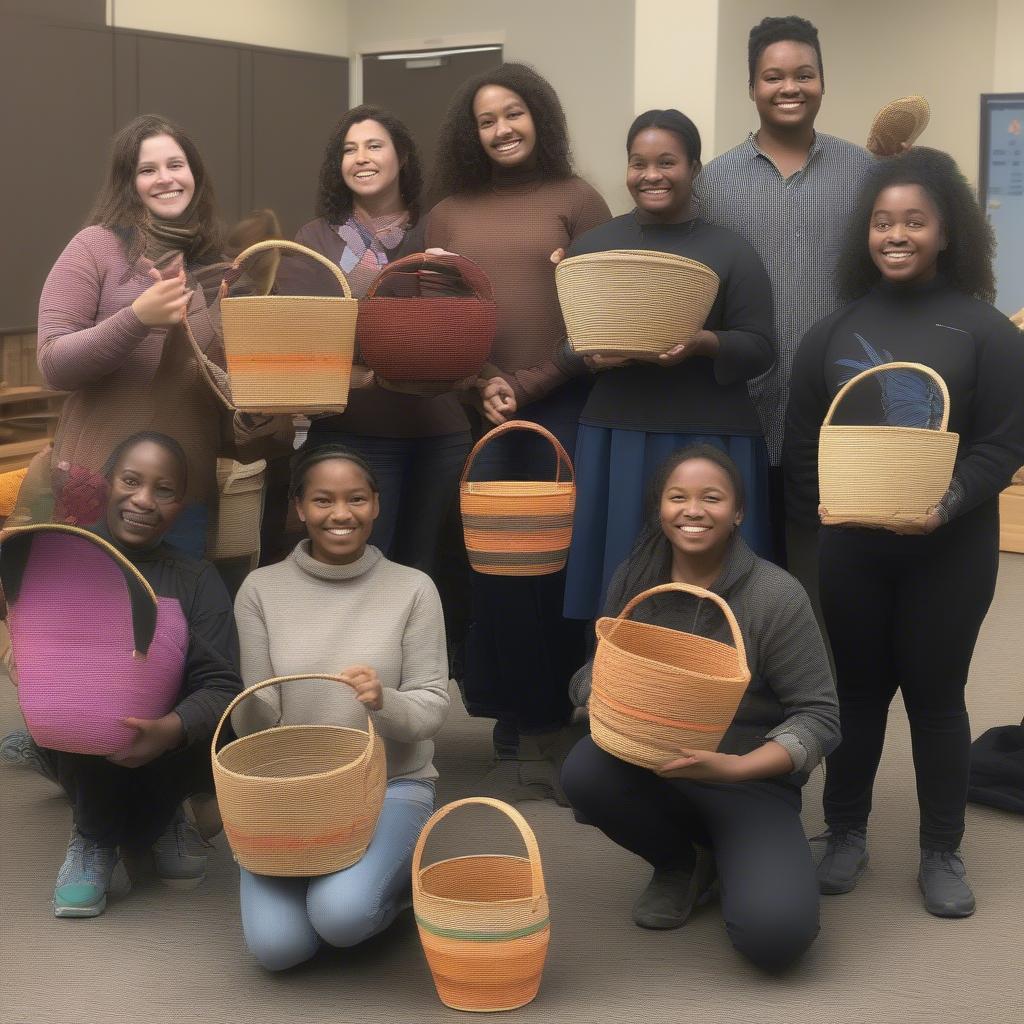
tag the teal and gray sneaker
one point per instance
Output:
(19, 750)
(88, 873)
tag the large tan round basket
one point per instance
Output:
(289, 353)
(656, 690)
(483, 920)
(884, 476)
(299, 800)
(901, 121)
(518, 527)
(632, 302)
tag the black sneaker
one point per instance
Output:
(943, 881)
(842, 856)
(672, 893)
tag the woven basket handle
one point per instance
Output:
(871, 371)
(234, 272)
(470, 272)
(686, 588)
(245, 694)
(561, 457)
(529, 839)
(141, 595)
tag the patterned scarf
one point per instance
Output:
(366, 247)
(163, 238)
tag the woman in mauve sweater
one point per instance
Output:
(336, 605)
(737, 808)
(110, 327)
(509, 200)
(903, 606)
(369, 216)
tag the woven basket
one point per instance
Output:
(884, 476)
(434, 339)
(299, 800)
(483, 920)
(631, 302)
(518, 527)
(92, 641)
(239, 510)
(289, 353)
(901, 121)
(656, 690)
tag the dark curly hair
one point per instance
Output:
(789, 29)
(966, 262)
(463, 165)
(306, 458)
(334, 197)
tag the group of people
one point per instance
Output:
(697, 466)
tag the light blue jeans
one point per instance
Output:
(286, 919)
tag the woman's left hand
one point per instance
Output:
(497, 398)
(703, 343)
(366, 683)
(705, 766)
(153, 737)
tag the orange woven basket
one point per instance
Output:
(656, 690)
(518, 527)
(884, 475)
(299, 800)
(289, 353)
(483, 920)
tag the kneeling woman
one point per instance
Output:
(737, 809)
(337, 605)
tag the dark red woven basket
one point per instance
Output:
(423, 336)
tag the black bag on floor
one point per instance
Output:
(997, 768)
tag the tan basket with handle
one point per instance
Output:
(239, 510)
(656, 690)
(299, 800)
(483, 920)
(289, 353)
(632, 302)
(884, 476)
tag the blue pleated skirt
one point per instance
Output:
(613, 470)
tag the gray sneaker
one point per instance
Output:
(841, 857)
(179, 855)
(19, 750)
(672, 893)
(943, 881)
(88, 873)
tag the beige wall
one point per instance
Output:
(583, 47)
(311, 26)
(1008, 66)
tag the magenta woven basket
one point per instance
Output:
(93, 644)
(420, 335)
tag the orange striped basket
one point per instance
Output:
(299, 800)
(483, 920)
(518, 527)
(656, 690)
(289, 353)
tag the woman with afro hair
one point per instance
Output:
(903, 606)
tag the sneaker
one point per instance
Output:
(672, 893)
(842, 856)
(179, 855)
(943, 882)
(88, 873)
(19, 750)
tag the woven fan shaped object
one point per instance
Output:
(901, 121)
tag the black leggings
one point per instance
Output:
(904, 612)
(769, 892)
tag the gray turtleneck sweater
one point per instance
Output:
(302, 615)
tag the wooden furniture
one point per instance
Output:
(28, 411)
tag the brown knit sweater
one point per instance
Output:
(510, 230)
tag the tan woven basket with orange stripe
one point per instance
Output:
(289, 353)
(632, 302)
(483, 920)
(884, 476)
(299, 800)
(656, 690)
(518, 527)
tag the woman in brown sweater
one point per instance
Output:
(508, 200)
(368, 210)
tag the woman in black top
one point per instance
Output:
(640, 411)
(903, 607)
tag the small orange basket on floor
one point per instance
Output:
(483, 920)
(518, 527)
(655, 690)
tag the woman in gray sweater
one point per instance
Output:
(337, 606)
(736, 809)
